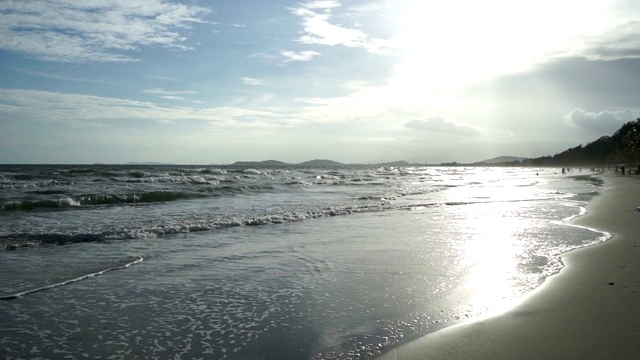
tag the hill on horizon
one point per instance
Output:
(260, 163)
(623, 147)
(317, 163)
(502, 159)
(321, 163)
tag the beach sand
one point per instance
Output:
(590, 310)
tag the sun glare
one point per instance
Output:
(492, 258)
(445, 46)
(450, 43)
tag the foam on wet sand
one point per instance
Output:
(590, 310)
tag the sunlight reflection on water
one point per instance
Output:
(344, 287)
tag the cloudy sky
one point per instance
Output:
(200, 82)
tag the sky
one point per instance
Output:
(355, 81)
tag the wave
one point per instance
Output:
(86, 276)
(10, 184)
(38, 204)
(191, 179)
(213, 188)
(95, 200)
(48, 192)
(14, 241)
(239, 188)
(481, 201)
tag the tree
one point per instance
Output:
(631, 140)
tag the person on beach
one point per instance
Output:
(563, 171)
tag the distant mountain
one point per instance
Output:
(400, 163)
(148, 163)
(321, 163)
(260, 163)
(502, 159)
(314, 163)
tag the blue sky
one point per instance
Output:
(201, 82)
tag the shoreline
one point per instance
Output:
(589, 310)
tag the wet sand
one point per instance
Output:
(590, 310)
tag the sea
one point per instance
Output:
(292, 262)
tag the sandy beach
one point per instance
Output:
(590, 310)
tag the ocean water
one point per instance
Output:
(187, 262)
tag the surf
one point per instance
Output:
(14, 296)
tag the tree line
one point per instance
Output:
(623, 147)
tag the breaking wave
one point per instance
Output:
(95, 200)
(69, 281)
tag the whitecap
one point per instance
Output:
(252, 172)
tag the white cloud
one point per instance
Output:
(322, 4)
(317, 28)
(252, 81)
(170, 94)
(54, 106)
(299, 56)
(172, 97)
(94, 31)
(439, 125)
(263, 56)
(52, 75)
(162, 91)
(605, 122)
